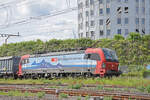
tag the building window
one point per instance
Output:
(80, 16)
(108, 21)
(126, 1)
(119, 21)
(143, 31)
(81, 26)
(80, 5)
(100, 11)
(119, 10)
(100, 1)
(126, 32)
(143, 21)
(108, 10)
(108, 32)
(143, 1)
(91, 2)
(92, 34)
(87, 3)
(126, 9)
(119, 0)
(137, 1)
(137, 10)
(119, 31)
(92, 23)
(137, 21)
(101, 22)
(92, 13)
(108, 1)
(80, 35)
(137, 30)
(101, 33)
(87, 13)
(87, 24)
(143, 10)
(87, 34)
(126, 20)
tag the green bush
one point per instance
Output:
(26, 94)
(79, 98)
(41, 94)
(10, 93)
(100, 87)
(141, 88)
(63, 95)
(75, 86)
(118, 37)
(107, 98)
(148, 88)
(146, 73)
(133, 74)
(134, 36)
(87, 97)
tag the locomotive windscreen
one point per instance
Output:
(110, 55)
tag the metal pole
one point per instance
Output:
(8, 36)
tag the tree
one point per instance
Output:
(134, 36)
(118, 37)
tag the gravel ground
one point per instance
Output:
(47, 97)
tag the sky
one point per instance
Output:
(57, 27)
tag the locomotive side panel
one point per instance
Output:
(59, 64)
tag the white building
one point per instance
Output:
(105, 18)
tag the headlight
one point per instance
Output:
(103, 65)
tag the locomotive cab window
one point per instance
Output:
(110, 55)
(25, 61)
(92, 56)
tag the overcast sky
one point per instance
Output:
(58, 27)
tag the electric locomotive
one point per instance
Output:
(90, 62)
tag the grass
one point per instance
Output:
(63, 95)
(121, 81)
(100, 87)
(107, 98)
(79, 98)
(18, 93)
(75, 86)
(41, 94)
(25, 94)
(87, 97)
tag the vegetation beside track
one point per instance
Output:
(21, 94)
(78, 82)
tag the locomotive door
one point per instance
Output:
(92, 59)
(89, 62)
(89, 65)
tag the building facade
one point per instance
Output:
(106, 18)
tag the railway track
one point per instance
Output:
(117, 95)
(63, 85)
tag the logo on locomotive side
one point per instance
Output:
(54, 59)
